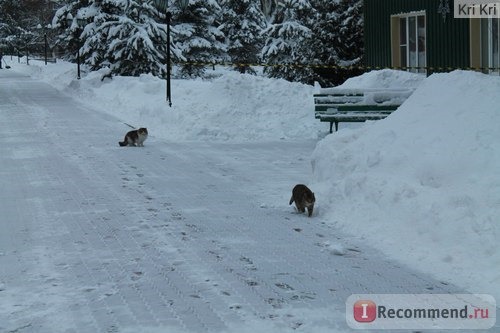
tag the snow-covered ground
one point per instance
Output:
(204, 206)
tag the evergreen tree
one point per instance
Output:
(129, 36)
(10, 17)
(134, 40)
(65, 23)
(37, 12)
(351, 31)
(199, 37)
(242, 27)
(269, 9)
(95, 37)
(10, 12)
(122, 35)
(287, 46)
(338, 40)
(23, 23)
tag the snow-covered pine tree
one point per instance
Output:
(23, 14)
(288, 45)
(122, 35)
(269, 8)
(10, 19)
(199, 37)
(338, 39)
(135, 41)
(351, 31)
(22, 25)
(65, 24)
(243, 22)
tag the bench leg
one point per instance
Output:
(336, 126)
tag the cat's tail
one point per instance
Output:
(291, 200)
(124, 143)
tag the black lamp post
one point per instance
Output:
(78, 22)
(163, 5)
(46, 43)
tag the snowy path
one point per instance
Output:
(193, 237)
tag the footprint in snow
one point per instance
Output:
(335, 249)
(284, 286)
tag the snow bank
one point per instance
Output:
(385, 78)
(423, 184)
(230, 107)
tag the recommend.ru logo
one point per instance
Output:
(421, 311)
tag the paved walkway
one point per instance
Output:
(190, 237)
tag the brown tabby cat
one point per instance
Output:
(304, 198)
(135, 138)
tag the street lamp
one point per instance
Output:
(46, 43)
(163, 5)
(76, 23)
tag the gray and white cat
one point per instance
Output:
(135, 138)
(304, 198)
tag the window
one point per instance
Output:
(409, 42)
(490, 45)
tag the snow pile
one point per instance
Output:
(423, 184)
(385, 78)
(384, 87)
(371, 95)
(231, 107)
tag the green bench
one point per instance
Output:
(337, 105)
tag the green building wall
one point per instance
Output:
(447, 40)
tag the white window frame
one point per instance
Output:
(398, 44)
(488, 60)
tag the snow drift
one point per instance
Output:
(229, 107)
(385, 78)
(423, 184)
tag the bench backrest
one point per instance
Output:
(333, 98)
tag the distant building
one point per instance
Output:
(425, 35)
